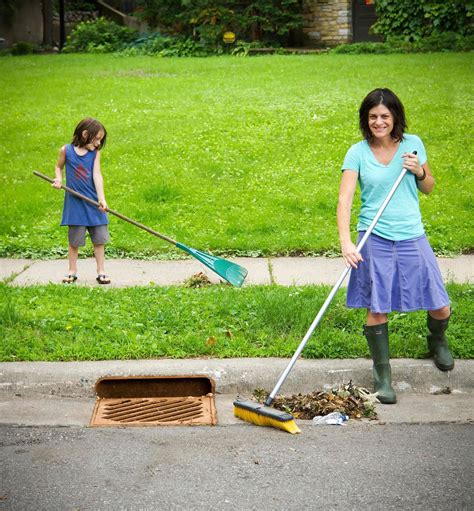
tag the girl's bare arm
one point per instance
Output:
(58, 169)
(99, 181)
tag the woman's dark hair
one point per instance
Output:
(389, 99)
(92, 126)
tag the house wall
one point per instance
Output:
(327, 22)
(27, 24)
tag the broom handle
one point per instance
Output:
(111, 211)
(323, 309)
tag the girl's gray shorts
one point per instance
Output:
(77, 235)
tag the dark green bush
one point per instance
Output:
(23, 48)
(206, 20)
(7, 10)
(448, 41)
(77, 5)
(99, 36)
(357, 48)
(423, 18)
(165, 46)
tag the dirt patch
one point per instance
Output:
(356, 402)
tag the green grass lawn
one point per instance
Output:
(235, 155)
(73, 323)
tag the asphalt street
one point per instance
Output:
(357, 466)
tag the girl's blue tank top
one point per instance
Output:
(79, 177)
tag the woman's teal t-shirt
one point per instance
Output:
(401, 220)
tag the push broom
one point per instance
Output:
(231, 272)
(263, 414)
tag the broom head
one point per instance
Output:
(262, 415)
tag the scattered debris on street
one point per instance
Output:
(444, 390)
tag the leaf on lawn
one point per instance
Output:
(211, 341)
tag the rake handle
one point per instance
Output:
(111, 211)
(334, 290)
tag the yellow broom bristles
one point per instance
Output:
(261, 420)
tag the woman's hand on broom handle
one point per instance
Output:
(350, 255)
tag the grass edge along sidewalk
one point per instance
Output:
(66, 323)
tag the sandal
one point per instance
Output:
(70, 278)
(103, 279)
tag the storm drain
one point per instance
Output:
(154, 401)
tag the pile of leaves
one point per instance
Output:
(197, 280)
(356, 402)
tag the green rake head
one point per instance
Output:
(232, 272)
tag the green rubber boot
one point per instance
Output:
(377, 338)
(438, 344)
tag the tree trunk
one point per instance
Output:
(48, 23)
(62, 25)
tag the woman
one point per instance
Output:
(396, 269)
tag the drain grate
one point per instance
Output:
(196, 411)
(155, 405)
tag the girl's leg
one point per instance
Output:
(437, 321)
(71, 276)
(73, 255)
(76, 236)
(376, 333)
(99, 252)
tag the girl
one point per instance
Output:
(82, 160)
(397, 269)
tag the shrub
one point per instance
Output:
(423, 18)
(207, 20)
(357, 48)
(23, 48)
(99, 36)
(165, 46)
(448, 41)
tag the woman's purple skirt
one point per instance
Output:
(396, 275)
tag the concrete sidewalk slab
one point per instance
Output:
(285, 271)
(10, 267)
(129, 272)
(302, 271)
(457, 269)
(258, 268)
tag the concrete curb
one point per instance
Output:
(231, 376)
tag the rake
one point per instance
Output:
(231, 272)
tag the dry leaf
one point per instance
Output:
(211, 341)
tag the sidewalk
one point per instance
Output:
(285, 271)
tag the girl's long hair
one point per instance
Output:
(92, 126)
